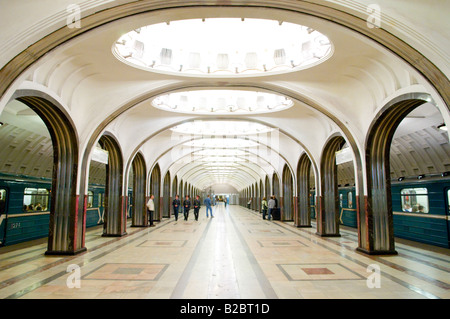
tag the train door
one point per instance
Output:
(3, 215)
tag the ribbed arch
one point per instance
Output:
(155, 190)
(166, 196)
(303, 218)
(276, 186)
(379, 238)
(288, 197)
(175, 187)
(267, 188)
(66, 227)
(139, 218)
(114, 214)
(328, 213)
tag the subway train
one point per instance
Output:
(420, 209)
(25, 207)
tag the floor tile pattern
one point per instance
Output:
(234, 255)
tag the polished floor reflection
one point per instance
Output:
(234, 255)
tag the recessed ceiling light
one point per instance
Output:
(214, 102)
(223, 46)
(442, 127)
(221, 143)
(221, 128)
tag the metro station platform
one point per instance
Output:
(235, 255)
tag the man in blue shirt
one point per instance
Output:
(207, 203)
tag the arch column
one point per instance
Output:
(66, 231)
(378, 204)
(303, 218)
(115, 201)
(166, 196)
(328, 212)
(155, 189)
(139, 218)
(288, 209)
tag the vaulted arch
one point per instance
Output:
(66, 227)
(139, 218)
(303, 217)
(328, 213)
(379, 238)
(166, 196)
(288, 212)
(114, 216)
(155, 190)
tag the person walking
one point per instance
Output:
(264, 207)
(271, 206)
(207, 203)
(176, 206)
(196, 206)
(186, 206)
(151, 209)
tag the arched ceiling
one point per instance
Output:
(343, 94)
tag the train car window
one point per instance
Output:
(341, 197)
(90, 199)
(350, 199)
(2, 201)
(36, 199)
(414, 200)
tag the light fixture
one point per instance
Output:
(401, 178)
(221, 128)
(443, 127)
(420, 176)
(221, 143)
(221, 101)
(223, 46)
(1, 124)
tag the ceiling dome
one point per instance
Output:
(223, 47)
(214, 102)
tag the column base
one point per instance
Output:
(64, 253)
(377, 252)
(114, 235)
(328, 235)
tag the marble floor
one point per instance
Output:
(234, 255)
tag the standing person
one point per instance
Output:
(271, 206)
(264, 207)
(196, 206)
(225, 201)
(186, 206)
(151, 209)
(276, 201)
(176, 206)
(207, 203)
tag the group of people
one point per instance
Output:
(176, 204)
(32, 208)
(268, 207)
